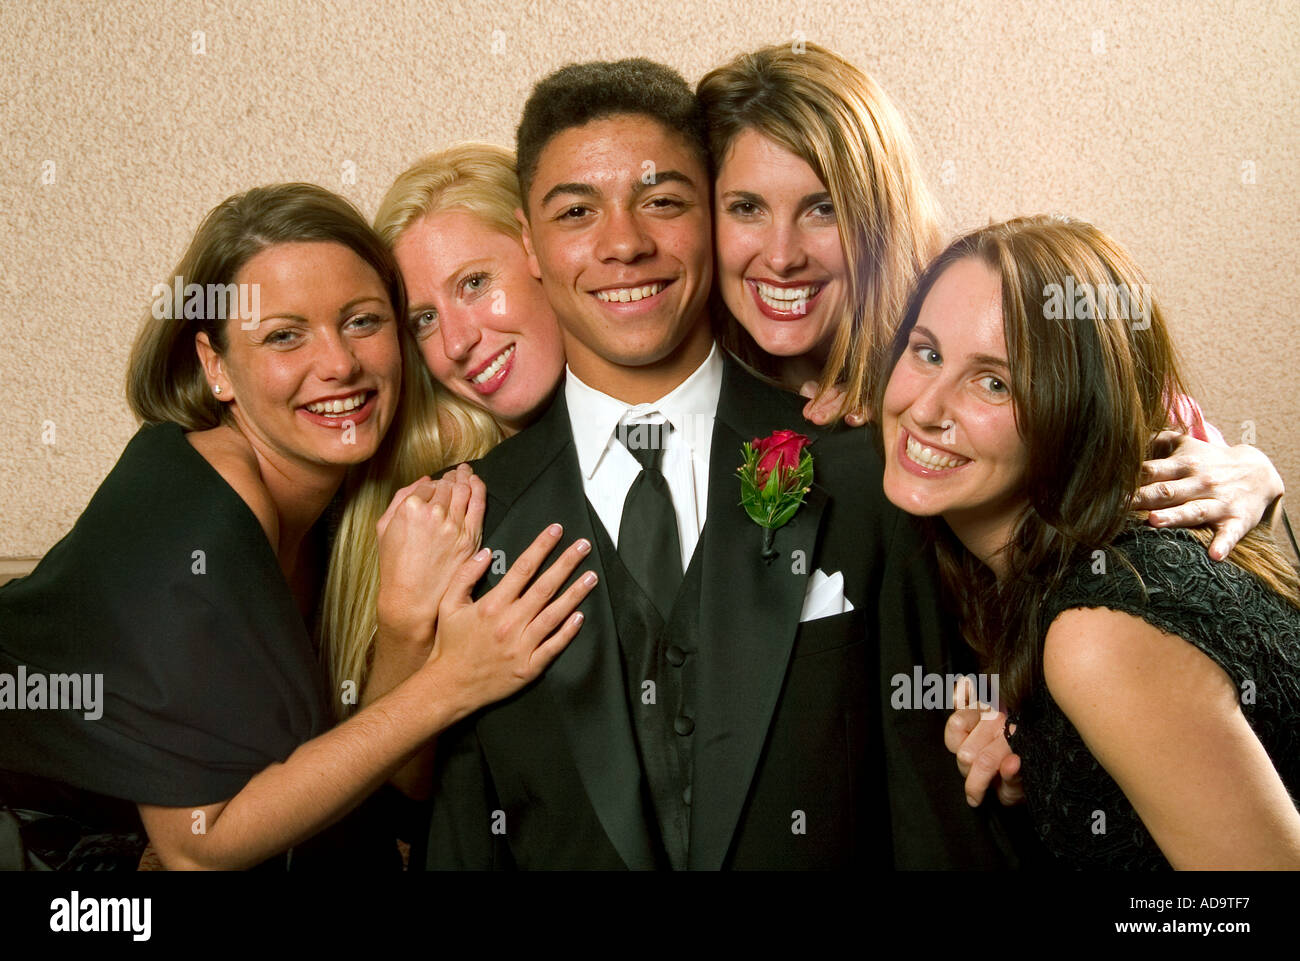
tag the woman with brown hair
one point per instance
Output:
(823, 223)
(1156, 693)
(823, 218)
(182, 598)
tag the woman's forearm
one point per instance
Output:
(394, 662)
(314, 787)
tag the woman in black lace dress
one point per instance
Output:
(1156, 693)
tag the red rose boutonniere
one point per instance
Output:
(776, 475)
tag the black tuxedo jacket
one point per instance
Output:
(799, 759)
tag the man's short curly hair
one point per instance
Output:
(583, 92)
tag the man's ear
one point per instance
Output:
(213, 369)
(534, 267)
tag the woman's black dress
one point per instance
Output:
(168, 589)
(1245, 628)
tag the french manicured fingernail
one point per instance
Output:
(589, 579)
(972, 802)
(579, 617)
(583, 546)
(555, 530)
(483, 554)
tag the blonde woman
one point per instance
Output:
(485, 328)
(493, 353)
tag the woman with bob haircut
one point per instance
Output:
(1155, 692)
(492, 345)
(185, 591)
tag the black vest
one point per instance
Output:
(658, 660)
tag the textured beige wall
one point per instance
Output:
(1171, 125)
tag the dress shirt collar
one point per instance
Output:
(690, 407)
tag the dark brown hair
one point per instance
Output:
(581, 93)
(1092, 382)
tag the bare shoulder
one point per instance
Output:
(232, 458)
(1095, 657)
(1165, 721)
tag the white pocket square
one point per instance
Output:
(824, 597)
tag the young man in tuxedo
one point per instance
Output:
(723, 706)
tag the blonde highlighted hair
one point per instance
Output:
(834, 117)
(441, 429)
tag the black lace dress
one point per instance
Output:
(1245, 628)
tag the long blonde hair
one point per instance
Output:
(441, 429)
(834, 117)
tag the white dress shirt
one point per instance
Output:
(608, 467)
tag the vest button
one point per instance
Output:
(686, 795)
(683, 725)
(676, 656)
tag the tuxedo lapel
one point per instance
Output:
(749, 615)
(585, 683)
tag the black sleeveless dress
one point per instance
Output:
(1245, 628)
(166, 597)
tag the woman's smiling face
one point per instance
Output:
(781, 266)
(949, 422)
(484, 325)
(316, 378)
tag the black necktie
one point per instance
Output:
(647, 533)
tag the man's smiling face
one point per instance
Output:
(619, 232)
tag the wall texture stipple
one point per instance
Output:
(1171, 125)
